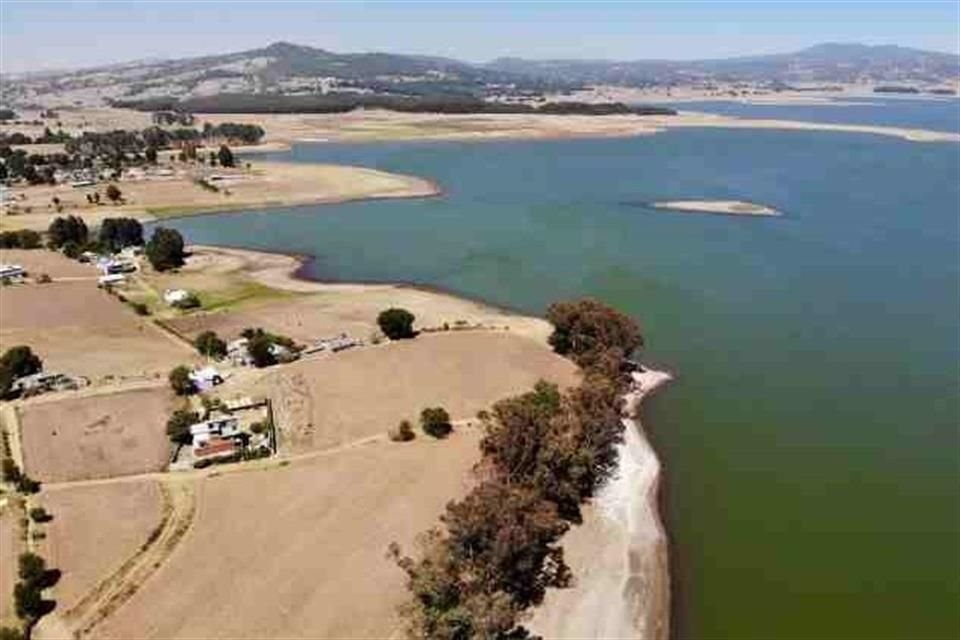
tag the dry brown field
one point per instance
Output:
(96, 435)
(11, 545)
(80, 330)
(332, 399)
(300, 551)
(55, 265)
(94, 530)
(264, 184)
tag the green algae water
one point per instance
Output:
(811, 440)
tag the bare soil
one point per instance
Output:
(80, 330)
(96, 435)
(52, 263)
(94, 530)
(300, 551)
(328, 400)
(11, 546)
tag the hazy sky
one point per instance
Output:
(37, 34)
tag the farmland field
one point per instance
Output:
(300, 551)
(94, 530)
(328, 400)
(80, 330)
(96, 436)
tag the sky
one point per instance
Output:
(40, 34)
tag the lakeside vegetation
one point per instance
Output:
(544, 453)
(345, 102)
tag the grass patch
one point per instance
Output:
(236, 295)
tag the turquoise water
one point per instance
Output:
(935, 114)
(811, 440)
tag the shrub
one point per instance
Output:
(396, 324)
(180, 381)
(140, 308)
(40, 515)
(210, 345)
(435, 421)
(72, 249)
(22, 239)
(260, 351)
(44, 278)
(165, 249)
(11, 633)
(225, 156)
(11, 472)
(26, 484)
(114, 193)
(178, 426)
(403, 433)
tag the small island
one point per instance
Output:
(725, 207)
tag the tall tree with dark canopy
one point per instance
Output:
(225, 156)
(68, 229)
(165, 249)
(117, 233)
(396, 324)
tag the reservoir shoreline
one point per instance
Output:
(637, 552)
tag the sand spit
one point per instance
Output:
(724, 207)
(377, 125)
(619, 554)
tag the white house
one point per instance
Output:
(223, 427)
(12, 271)
(205, 378)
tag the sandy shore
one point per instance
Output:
(619, 554)
(376, 125)
(725, 207)
(264, 184)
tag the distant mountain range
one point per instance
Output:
(290, 69)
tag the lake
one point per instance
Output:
(811, 440)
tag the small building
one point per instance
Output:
(206, 378)
(117, 265)
(12, 271)
(111, 279)
(224, 427)
(215, 448)
(238, 352)
(43, 382)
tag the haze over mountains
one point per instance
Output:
(290, 69)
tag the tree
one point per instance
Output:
(117, 233)
(435, 421)
(178, 426)
(225, 156)
(68, 229)
(260, 348)
(18, 362)
(210, 345)
(151, 155)
(28, 601)
(165, 249)
(403, 433)
(180, 381)
(585, 329)
(31, 568)
(396, 324)
(114, 193)
(40, 515)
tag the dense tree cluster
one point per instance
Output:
(544, 453)
(20, 239)
(421, 102)
(588, 331)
